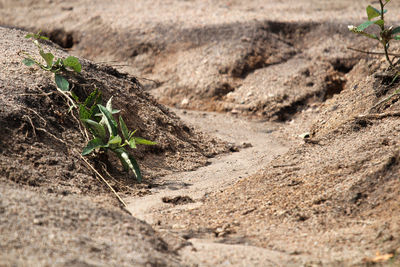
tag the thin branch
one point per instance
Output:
(104, 168)
(81, 129)
(52, 135)
(385, 100)
(42, 94)
(105, 181)
(372, 52)
(380, 115)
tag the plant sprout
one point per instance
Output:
(386, 34)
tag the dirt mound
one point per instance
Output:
(252, 65)
(40, 142)
(333, 199)
(37, 118)
(48, 230)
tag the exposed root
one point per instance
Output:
(385, 100)
(379, 115)
(31, 123)
(53, 136)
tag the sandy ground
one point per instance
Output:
(233, 188)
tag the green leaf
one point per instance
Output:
(93, 99)
(372, 12)
(109, 120)
(132, 143)
(73, 63)
(96, 129)
(61, 82)
(132, 133)
(397, 37)
(92, 145)
(380, 22)
(84, 113)
(57, 63)
(136, 168)
(124, 129)
(364, 25)
(29, 35)
(28, 62)
(109, 105)
(95, 110)
(142, 141)
(396, 30)
(359, 30)
(129, 162)
(124, 163)
(48, 57)
(115, 141)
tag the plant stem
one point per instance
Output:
(67, 96)
(372, 52)
(384, 40)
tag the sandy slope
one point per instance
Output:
(331, 200)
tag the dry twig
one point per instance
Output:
(105, 181)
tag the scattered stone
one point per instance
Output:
(178, 200)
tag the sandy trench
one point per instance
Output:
(260, 112)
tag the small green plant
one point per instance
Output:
(105, 132)
(386, 34)
(98, 119)
(56, 66)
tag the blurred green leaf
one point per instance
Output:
(48, 57)
(142, 141)
(136, 168)
(124, 163)
(61, 82)
(132, 143)
(93, 99)
(124, 129)
(92, 145)
(109, 105)
(28, 62)
(129, 162)
(372, 12)
(73, 63)
(57, 63)
(365, 25)
(109, 120)
(84, 113)
(396, 30)
(96, 129)
(115, 141)
(379, 22)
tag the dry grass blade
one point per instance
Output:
(105, 181)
